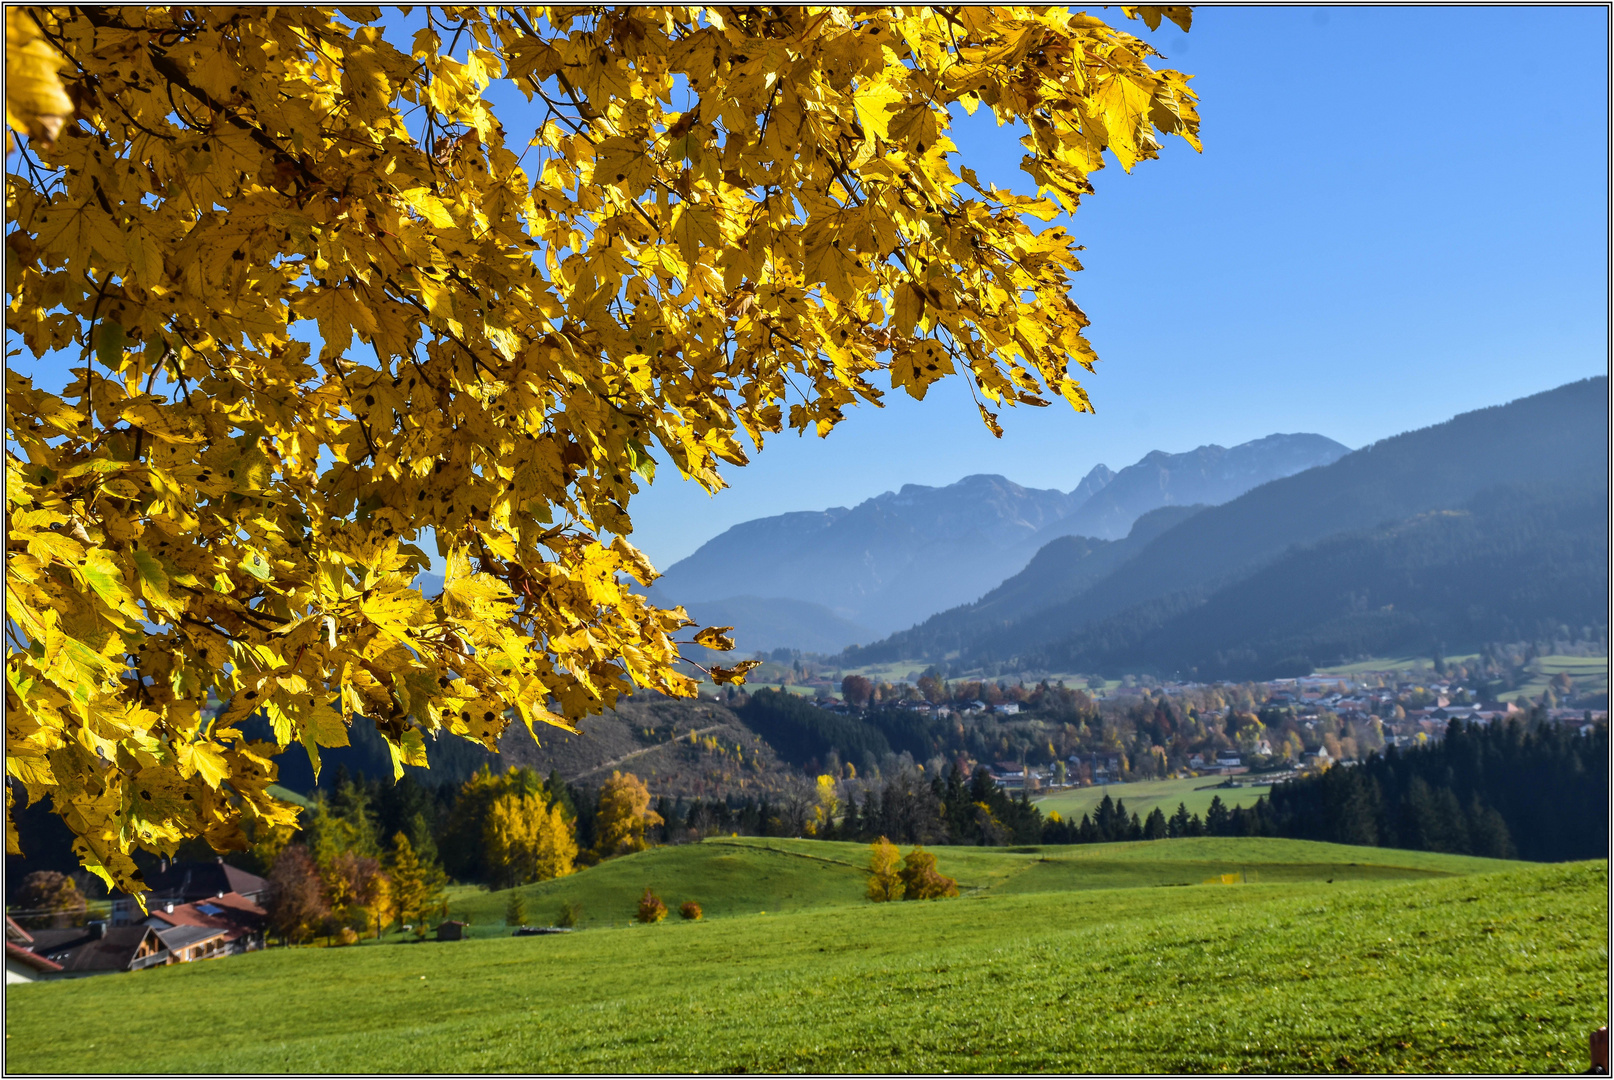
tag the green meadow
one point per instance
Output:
(738, 876)
(1589, 672)
(1103, 958)
(1392, 663)
(1144, 795)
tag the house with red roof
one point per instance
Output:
(217, 926)
(188, 882)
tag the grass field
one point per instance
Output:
(750, 875)
(1391, 663)
(1589, 672)
(1143, 796)
(799, 691)
(1419, 962)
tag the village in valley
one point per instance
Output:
(1306, 723)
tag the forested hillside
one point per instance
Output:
(1483, 528)
(1511, 564)
(1059, 572)
(1507, 790)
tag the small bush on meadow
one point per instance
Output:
(920, 879)
(347, 936)
(690, 910)
(515, 909)
(571, 913)
(651, 908)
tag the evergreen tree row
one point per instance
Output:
(1509, 790)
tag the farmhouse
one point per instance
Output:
(98, 949)
(187, 943)
(451, 930)
(236, 922)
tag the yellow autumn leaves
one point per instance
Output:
(214, 531)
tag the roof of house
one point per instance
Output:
(196, 880)
(15, 932)
(77, 949)
(175, 938)
(232, 913)
(30, 959)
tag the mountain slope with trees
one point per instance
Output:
(1539, 455)
(1558, 436)
(1511, 564)
(1060, 571)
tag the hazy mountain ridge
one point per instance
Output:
(764, 624)
(1208, 475)
(895, 559)
(1058, 573)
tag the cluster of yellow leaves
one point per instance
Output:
(507, 331)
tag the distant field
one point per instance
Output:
(1032, 970)
(800, 691)
(1589, 672)
(895, 672)
(909, 671)
(1145, 795)
(1389, 663)
(287, 795)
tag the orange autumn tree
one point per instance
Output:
(518, 309)
(623, 816)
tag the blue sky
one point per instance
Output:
(1400, 215)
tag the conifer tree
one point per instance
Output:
(417, 886)
(1154, 828)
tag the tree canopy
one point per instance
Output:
(336, 287)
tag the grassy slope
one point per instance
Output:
(1388, 663)
(1501, 972)
(747, 875)
(1589, 672)
(1145, 795)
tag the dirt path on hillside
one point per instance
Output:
(649, 750)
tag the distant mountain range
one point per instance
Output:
(1209, 475)
(815, 579)
(1491, 526)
